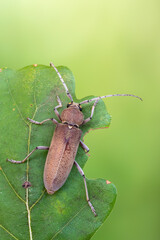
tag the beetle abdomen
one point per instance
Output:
(61, 156)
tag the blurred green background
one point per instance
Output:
(111, 47)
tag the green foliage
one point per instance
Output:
(31, 213)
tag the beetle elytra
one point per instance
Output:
(65, 142)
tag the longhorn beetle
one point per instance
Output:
(65, 142)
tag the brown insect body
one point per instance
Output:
(63, 149)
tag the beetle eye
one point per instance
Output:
(80, 108)
(69, 104)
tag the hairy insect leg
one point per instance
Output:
(40, 123)
(37, 148)
(84, 146)
(92, 112)
(58, 106)
(87, 196)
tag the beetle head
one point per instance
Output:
(72, 114)
(78, 105)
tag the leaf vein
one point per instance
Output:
(27, 173)
(68, 222)
(15, 103)
(27, 170)
(12, 186)
(37, 200)
(8, 232)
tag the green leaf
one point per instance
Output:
(31, 213)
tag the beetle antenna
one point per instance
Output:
(113, 95)
(60, 77)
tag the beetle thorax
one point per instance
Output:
(72, 115)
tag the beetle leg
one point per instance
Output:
(87, 196)
(92, 112)
(58, 106)
(37, 148)
(84, 146)
(39, 123)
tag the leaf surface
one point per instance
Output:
(31, 213)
